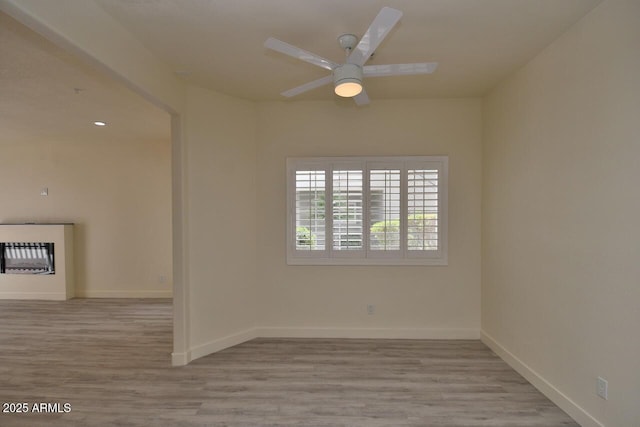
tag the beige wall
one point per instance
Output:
(117, 192)
(411, 301)
(221, 217)
(560, 215)
(559, 293)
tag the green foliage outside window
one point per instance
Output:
(385, 234)
(422, 230)
(304, 237)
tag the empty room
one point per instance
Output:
(319, 213)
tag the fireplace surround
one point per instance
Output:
(36, 261)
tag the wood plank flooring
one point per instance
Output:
(110, 360)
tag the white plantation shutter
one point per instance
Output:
(310, 210)
(367, 210)
(347, 210)
(422, 209)
(384, 209)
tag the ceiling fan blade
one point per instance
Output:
(378, 30)
(362, 98)
(307, 86)
(399, 69)
(296, 52)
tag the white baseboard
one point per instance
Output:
(221, 344)
(53, 296)
(180, 359)
(382, 333)
(556, 396)
(87, 293)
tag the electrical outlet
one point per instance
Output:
(371, 309)
(602, 388)
(162, 279)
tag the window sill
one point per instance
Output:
(369, 261)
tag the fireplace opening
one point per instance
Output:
(27, 258)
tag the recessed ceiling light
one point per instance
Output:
(99, 123)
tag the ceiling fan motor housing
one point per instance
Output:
(347, 79)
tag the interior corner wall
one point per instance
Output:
(560, 291)
(221, 219)
(410, 301)
(116, 193)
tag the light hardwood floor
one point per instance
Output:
(110, 359)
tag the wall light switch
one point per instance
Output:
(44, 191)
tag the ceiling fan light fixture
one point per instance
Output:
(348, 89)
(347, 79)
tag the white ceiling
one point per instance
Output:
(220, 44)
(38, 100)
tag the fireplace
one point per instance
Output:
(36, 261)
(27, 258)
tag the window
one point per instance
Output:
(367, 210)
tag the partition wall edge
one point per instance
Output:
(63, 24)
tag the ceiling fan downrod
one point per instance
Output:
(347, 42)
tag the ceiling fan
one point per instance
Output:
(347, 77)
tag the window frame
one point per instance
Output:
(367, 256)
